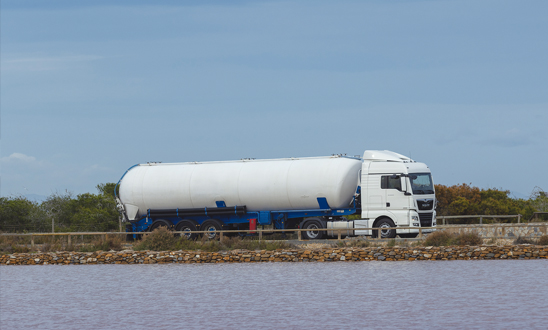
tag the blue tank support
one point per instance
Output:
(240, 216)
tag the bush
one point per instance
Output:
(439, 238)
(468, 239)
(237, 243)
(111, 243)
(160, 239)
(523, 240)
(13, 244)
(543, 240)
(445, 238)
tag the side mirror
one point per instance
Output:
(404, 186)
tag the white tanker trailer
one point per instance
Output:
(387, 189)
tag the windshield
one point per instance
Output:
(421, 183)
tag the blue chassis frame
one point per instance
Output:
(278, 217)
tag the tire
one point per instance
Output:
(385, 233)
(211, 226)
(186, 226)
(311, 233)
(408, 235)
(161, 223)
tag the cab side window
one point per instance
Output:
(390, 182)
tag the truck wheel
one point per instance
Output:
(211, 226)
(384, 224)
(311, 230)
(161, 223)
(188, 227)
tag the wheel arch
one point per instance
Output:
(320, 219)
(382, 217)
(158, 223)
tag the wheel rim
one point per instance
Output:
(187, 233)
(312, 233)
(385, 230)
(212, 231)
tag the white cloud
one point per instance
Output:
(18, 157)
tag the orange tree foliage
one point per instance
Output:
(464, 199)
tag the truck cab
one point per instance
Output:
(396, 192)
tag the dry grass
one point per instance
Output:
(445, 238)
(14, 244)
(162, 239)
(524, 240)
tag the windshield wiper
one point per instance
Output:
(430, 191)
(419, 192)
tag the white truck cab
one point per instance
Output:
(396, 192)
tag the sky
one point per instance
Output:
(90, 88)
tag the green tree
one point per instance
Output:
(465, 199)
(18, 214)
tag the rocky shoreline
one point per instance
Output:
(294, 255)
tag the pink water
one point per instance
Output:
(509, 294)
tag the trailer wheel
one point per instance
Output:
(211, 226)
(161, 223)
(188, 227)
(311, 230)
(384, 224)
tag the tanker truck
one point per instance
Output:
(382, 189)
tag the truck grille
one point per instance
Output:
(426, 219)
(425, 204)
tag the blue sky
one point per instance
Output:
(90, 88)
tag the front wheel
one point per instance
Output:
(384, 225)
(312, 231)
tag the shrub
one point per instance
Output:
(445, 238)
(51, 246)
(439, 238)
(468, 239)
(13, 244)
(111, 243)
(523, 240)
(543, 240)
(160, 239)
(234, 243)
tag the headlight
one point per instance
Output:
(415, 218)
